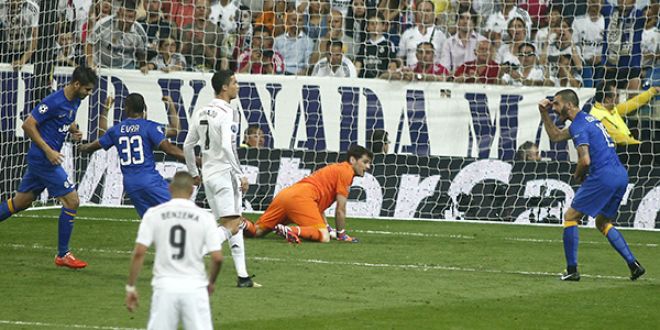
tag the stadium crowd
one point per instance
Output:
(507, 42)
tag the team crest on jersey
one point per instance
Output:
(43, 108)
(68, 184)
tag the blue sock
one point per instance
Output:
(619, 244)
(571, 240)
(7, 209)
(64, 229)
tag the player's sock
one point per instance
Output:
(238, 253)
(308, 233)
(571, 240)
(619, 243)
(250, 228)
(64, 230)
(7, 209)
(225, 234)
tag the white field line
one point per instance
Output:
(421, 267)
(66, 326)
(370, 232)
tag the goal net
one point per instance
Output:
(444, 92)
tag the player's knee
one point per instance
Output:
(325, 236)
(71, 201)
(601, 223)
(231, 223)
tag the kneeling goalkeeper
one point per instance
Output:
(305, 202)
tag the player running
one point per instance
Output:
(47, 126)
(604, 179)
(215, 128)
(181, 233)
(305, 202)
(136, 139)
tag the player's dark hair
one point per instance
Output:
(221, 78)
(357, 151)
(521, 153)
(182, 181)
(569, 96)
(334, 43)
(135, 103)
(378, 140)
(252, 129)
(84, 75)
(604, 89)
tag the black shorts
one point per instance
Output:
(622, 75)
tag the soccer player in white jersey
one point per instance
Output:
(181, 233)
(215, 129)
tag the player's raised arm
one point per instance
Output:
(555, 134)
(172, 117)
(31, 130)
(103, 116)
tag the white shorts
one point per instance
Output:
(223, 194)
(168, 308)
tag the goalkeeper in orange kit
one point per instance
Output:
(305, 202)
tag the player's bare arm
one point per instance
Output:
(555, 134)
(30, 128)
(172, 117)
(216, 265)
(340, 213)
(583, 163)
(172, 150)
(136, 265)
(103, 116)
(89, 147)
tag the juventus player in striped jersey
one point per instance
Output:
(215, 129)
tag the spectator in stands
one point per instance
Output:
(564, 57)
(295, 46)
(272, 16)
(336, 33)
(335, 64)
(424, 30)
(19, 20)
(225, 13)
(460, 48)
(156, 27)
(100, 10)
(117, 41)
(481, 70)
(253, 60)
(588, 33)
(506, 55)
(528, 151)
(624, 25)
(529, 73)
(315, 17)
(447, 19)
(65, 52)
(508, 11)
(609, 111)
(543, 35)
(202, 41)
(356, 20)
(168, 59)
(425, 69)
(183, 12)
(253, 137)
(242, 39)
(537, 10)
(380, 142)
(376, 53)
(399, 16)
(651, 45)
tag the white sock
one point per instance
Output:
(225, 234)
(237, 245)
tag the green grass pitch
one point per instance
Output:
(402, 275)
